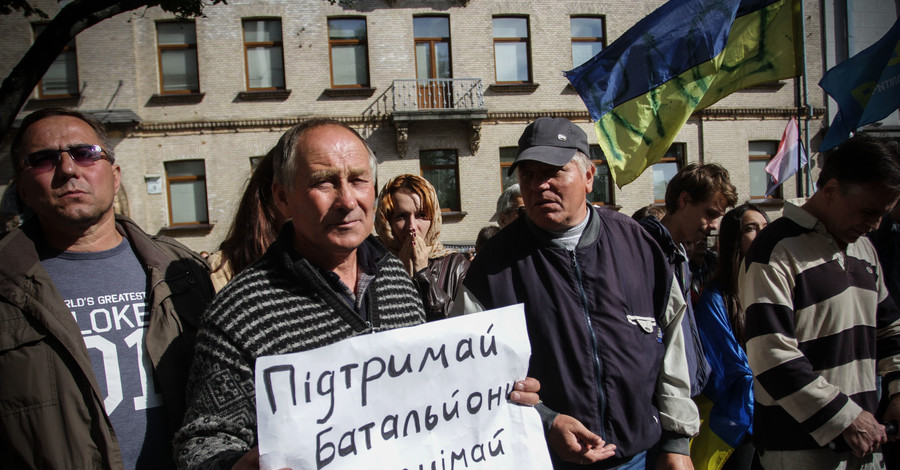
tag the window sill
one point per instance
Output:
(54, 101)
(768, 202)
(360, 92)
(513, 87)
(186, 229)
(176, 98)
(767, 86)
(612, 207)
(453, 215)
(263, 95)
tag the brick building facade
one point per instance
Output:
(192, 104)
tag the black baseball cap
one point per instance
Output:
(552, 141)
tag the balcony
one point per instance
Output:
(437, 99)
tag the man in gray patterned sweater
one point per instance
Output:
(323, 280)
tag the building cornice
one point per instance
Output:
(148, 129)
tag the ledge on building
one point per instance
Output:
(168, 99)
(263, 95)
(513, 87)
(350, 92)
(453, 215)
(767, 202)
(70, 101)
(774, 85)
(186, 229)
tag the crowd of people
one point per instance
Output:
(778, 349)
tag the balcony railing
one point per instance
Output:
(451, 94)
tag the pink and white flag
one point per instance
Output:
(785, 162)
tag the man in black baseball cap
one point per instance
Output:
(552, 141)
(603, 313)
(555, 173)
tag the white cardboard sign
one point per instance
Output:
(433, 396)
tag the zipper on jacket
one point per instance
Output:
(595, 347)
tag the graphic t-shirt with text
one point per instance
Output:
(106, 291)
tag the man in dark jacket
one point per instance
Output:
(97, 318)
(603, 311)
(696, 199)
(326, 278)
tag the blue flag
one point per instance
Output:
(684, 56)
(865, 86)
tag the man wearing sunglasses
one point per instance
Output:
(97, 318)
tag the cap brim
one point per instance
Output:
(556, 156)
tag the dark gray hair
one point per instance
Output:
(285, 163)
(17, 150)
(505, 201)
(863, 159)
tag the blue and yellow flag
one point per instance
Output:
(865, 86)
(684, 56)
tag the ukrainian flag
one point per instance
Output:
(683, 57)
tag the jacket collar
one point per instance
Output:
(588, 237)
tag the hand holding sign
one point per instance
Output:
(406, 399)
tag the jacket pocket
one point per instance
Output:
(26, 368)
(646, 324)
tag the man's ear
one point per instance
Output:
(831, 189)
(683, 200)
(280, 195)
(589, 175)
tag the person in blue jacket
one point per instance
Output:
(720, 320)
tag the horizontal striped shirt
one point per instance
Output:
(819, 324)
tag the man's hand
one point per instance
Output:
(864, 435)
(573, 442)
(671, 461)
(250, 461)
(525, 392)
(892, 413)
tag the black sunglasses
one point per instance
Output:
(82, 155)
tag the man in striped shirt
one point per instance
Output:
(820, 322)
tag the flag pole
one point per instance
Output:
(809, 114)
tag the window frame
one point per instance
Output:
(679, 164)
(171, 47)
(432, 45)
(778, 194)
(69, 48)
(576, 39)
(504, 165)
(348, 42)
(256, 44)
(186, 179)
(599, 163)
(526, 40)
(454, 167)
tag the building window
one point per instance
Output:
(602, 191)
(177, 43)
(761, 152)
(511, 50)
(441, 169)
(61, 79)
(588, 38)
(665, 169)
(507, 157)
(432, 40)
(347, 42)
(263, 54)
(186, 183)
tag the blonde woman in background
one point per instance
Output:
(408, 222)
